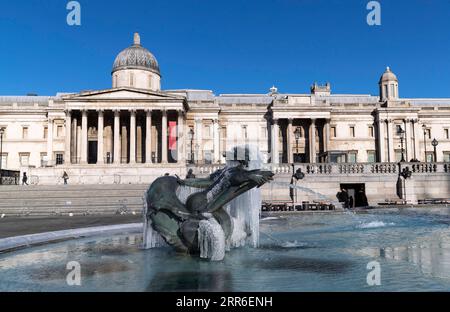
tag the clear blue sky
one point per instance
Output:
(229, 46)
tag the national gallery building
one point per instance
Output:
(137, 127)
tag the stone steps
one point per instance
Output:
(66, 199)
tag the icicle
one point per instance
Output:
(152, 239)
(211, 240)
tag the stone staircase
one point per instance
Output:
(71, 199)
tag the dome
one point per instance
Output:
(136, 57)
(388, 76)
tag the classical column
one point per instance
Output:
(67, 154)
(116, 137)
(181, 138)
(164, 137)
(198, 142)
(100, 145)
(132, 137)
(416, 135)
(148, 137)
(381, 140)
(74, 159)
(326, 139)
(312, 143)
(84, 137)
(390, 129)
(79, 143)
(290, 155)
(275, 140)
(50, 141)
(407, 146)
(216, 141)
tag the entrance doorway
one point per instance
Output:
(356, 194)
(92, 154)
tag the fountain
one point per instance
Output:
(208, 216)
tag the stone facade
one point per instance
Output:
(136, 129)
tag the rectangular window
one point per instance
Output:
(446, 134)
(447, 157)
(24, 159)
(333, 132)
(45, 132)
(428, 132)
(24, 132)
(386, 90)
(371, 132)
(223, 138)
(263, 132)
(371, 157)
(59, 158)
(352, 131)
(131, 80)
(43, 159)
(207, 132)
(207, 156)
(430, 157)
(352, 157)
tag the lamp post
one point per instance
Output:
(424, 127)
(297, 134)
(197, 147)
(2, 131)
(406, 174)
(435, 143)
(191, 137)
(401, 132)
(297, 175)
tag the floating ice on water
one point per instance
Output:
(374, 224)
(293, 244)
(270, 218)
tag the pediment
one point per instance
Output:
(122, 94)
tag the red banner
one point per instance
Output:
(172, 135)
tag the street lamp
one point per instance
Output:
(2, 131)
(297, 134)
(424, 127)
(435, 143)
(406, 174)
(191, 137)
(401, 132)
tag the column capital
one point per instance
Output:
(100, 110)
(164, 112)
(275, 121)
(149, 111)
(132, 110)
(290, 120)
(116, 112)
(313, 120)
(68, 112)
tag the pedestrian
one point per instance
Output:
(24, 179)
(190, 174)
(65, 177)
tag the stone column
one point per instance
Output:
(290, 155)
(381, 141)
(275, 140)
(132, 137)
(79, 144)
(407, 142)
(326, 139)
(198, 141)
(391, 153)
(164, 137)
(312, 143)
(74, 159)
(100, 145)
(84, 137)
(68, 129)
(416, 135)
(50, 141)
(148, 137)
(181, 139)
(216, 141)
(116, 137)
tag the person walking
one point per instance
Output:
(24, 179)
(65, 177)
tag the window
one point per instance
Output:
(352, 157)
(428, 133)
(207, 156)
(430, 157)
(59, 131)
(371, 157)
(263, 132)
(446, 134)
(150, 81)
(446, 156)
(386, 90)
(24, 159)
(398, 155)
(352, 131)
(245, 132)
(59, 158)
(45, 132)
(371, 132)
(392, 90)
(4, 160)
(207, 131)
(131, 80)
(43, 159)
(333, 132)
(24, 132)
